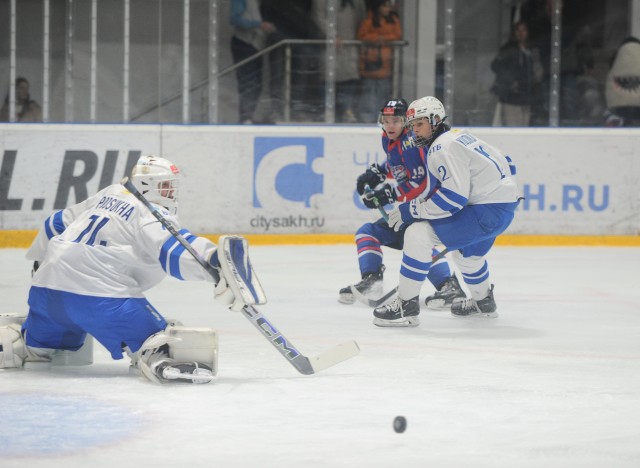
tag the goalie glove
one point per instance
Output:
(238, 285)
(383, 196)
(372, 177)
(403, 215)
(223, 292)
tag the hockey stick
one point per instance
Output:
(372, 302)
(378, 302)
(303, 364)
(369, 194)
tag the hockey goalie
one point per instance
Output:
(92, 264)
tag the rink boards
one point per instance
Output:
(296, 184)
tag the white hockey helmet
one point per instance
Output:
(428, 108)
(157, 179)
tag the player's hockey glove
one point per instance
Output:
(383, 196)
(372, 177)
(403, 215)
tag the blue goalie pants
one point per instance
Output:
(61, 320)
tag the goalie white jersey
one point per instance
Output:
(470, 171)
(110, 245)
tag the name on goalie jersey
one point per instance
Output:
(117, 206)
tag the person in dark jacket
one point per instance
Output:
(26, 109)
(517, 68)
(293, 19)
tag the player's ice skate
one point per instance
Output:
(399, 313)
(471, 308)
(445, 295)
(370, 287)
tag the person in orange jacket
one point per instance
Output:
(381, 26)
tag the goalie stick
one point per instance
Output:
(303, 364)
(370, 195)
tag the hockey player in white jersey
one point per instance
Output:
(474, 202)
(400, 178)
(96, 259)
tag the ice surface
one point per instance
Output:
(553, 382)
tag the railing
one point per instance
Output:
(287, 44)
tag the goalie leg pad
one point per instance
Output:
(13, 350)
(239, 273)
(81, 357)
(7, 319)
(43, 358)
(179, 353)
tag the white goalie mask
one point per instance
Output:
(157, 179)
(428, 108)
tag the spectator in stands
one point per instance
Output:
(293, 19)
(249, 37)
(349, 15)
(26, 109)
(577, 61)
(517, 69)
(381, 26)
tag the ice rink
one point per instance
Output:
(553, 382)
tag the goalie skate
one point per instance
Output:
(188, 372)
(178, 354)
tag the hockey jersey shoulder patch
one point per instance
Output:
(466, 139)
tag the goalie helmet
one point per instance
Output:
(432, 110)
(157, 179)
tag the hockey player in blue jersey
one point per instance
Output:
(96, 259)
(400, 178)
(475, 198)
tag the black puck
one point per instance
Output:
(399, 424)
